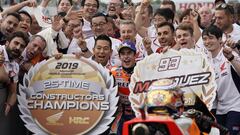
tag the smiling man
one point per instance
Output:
(8, 26)
(184, 36)
(25, 23)
(102, 51)
(12, 50)
(34, 48)
(114, 8)
(226, 65)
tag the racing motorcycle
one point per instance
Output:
(164, 113)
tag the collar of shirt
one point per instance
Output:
(219, 57)
(24, 55)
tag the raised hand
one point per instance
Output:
(72, 15)
(227, 52)
(77, 32)
(57, 23)
(194, 15)
(30, 3)
(147, 43)
(145, 3)
(117, 21)
(230, 43)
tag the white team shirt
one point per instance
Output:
(228, 96)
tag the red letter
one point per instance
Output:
(182, 6)
(141, 87)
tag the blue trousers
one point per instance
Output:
(231, 120)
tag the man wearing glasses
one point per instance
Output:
(114, 8)
(90, 7)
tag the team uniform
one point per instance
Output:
(125, 113)
(228, 93)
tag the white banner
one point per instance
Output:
(190, 70)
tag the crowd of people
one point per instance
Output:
(118, 39)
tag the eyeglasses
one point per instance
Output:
(90, 5)
(98, 24)
(229, 8)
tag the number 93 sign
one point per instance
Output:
(67, 96)
(189, 70)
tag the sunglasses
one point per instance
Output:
(226, 7)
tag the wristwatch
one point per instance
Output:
(84, 50)
(231, 58)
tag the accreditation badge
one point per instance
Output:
(67, 96)
(188, 69)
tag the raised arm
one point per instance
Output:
(234, 59)
(44, 3)
(142, 31)
(15, 8)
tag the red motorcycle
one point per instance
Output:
(164, 113)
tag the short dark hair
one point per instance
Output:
(169, 2)
(185, 27)
(15, 14)
(68, 0)
(27, 14)
(187, 12)
(213, 30)
(100, 14)
(226, 7)
(216, 1)
(19, 34)
(83, 3)
(166, 24)
(103, 37)
(166, 13)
